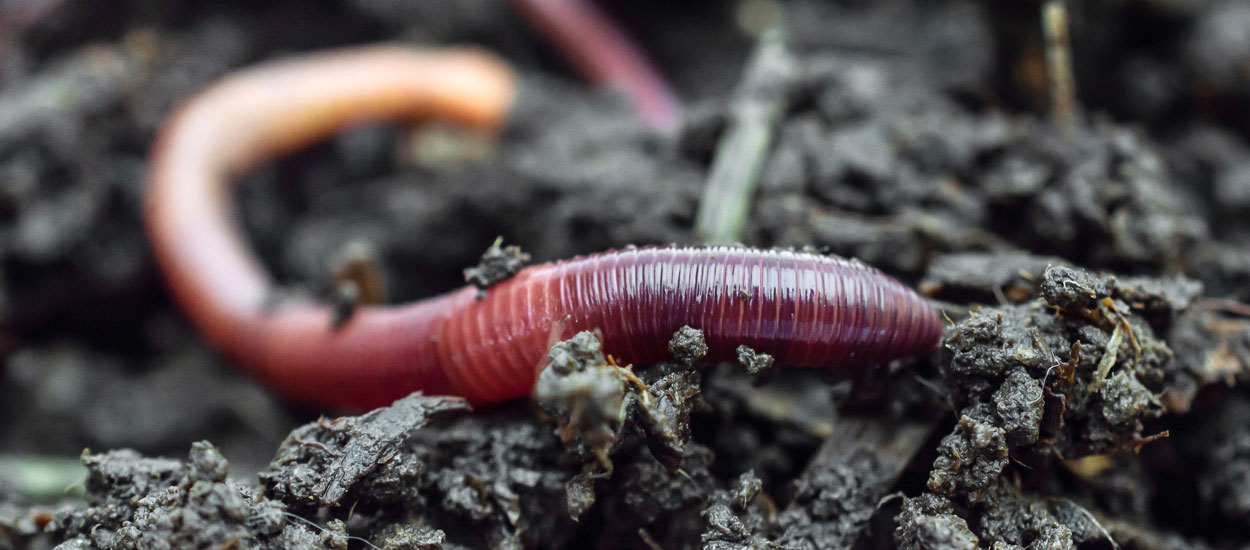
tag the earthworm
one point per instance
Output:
(805, 309)
(604, 55)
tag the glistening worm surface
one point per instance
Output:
(804, 309)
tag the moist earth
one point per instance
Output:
(1092, 275)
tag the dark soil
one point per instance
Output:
(1088, 392)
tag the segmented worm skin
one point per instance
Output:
(804, 309)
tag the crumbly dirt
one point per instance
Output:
(1089, 387)
(498, 263)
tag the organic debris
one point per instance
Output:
(321, 462)
(598, 402)
(497, 264)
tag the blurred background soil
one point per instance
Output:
(912, 135)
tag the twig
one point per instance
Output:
(1059, 63)
(742, 149)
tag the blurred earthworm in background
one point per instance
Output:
(604, 55)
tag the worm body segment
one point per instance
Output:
(605, 55)
(804, 309)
